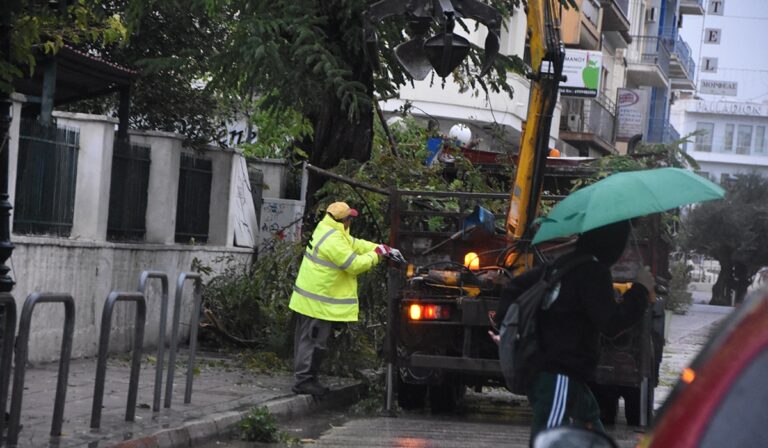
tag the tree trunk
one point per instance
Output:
(742, 280)
(335, 137)
(721, 292)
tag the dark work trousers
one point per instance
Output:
(309, 347)
(559, 400)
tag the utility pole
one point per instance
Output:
(6, 247)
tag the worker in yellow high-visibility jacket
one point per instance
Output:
(326, 290)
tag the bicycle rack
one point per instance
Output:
(22, 352)
(6, 364)
(101, 365)
(183, 277)
(146, 276)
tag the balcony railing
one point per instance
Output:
(648, 50)
(592, 116)
(682, 51)
(661, 131)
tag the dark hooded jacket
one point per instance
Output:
(585, 306)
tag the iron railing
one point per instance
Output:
(46, 179)
(649, 50)
(192, 209)
(682, 51)
(661, 131)
(128, 191)
(596, 116)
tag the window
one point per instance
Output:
(739, 419)
(194, 199)
(128, 192)
(47, 174)
(744, 139)
(728, 138)
(703, 140)
(759, 140)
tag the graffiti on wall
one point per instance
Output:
(280, 221)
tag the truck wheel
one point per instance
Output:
(447, 396)
(411, 396)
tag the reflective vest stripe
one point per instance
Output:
(317, 246)
(320, 261)
(349, 261)
(319, 298)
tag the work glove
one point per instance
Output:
(390, 252)
(645, 278)
(383, 250)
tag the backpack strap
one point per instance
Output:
(557, 272)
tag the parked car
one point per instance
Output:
(720, 399)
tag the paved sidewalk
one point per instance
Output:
(222, 394)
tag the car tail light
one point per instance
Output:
(688, 375)
(428, 311)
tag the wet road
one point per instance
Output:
(491, 419)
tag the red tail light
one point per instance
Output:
(428, 311)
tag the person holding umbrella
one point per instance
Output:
(582, 305)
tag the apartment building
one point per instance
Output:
(731, 137)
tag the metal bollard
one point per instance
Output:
(6, 363)
(101, 365)
(22, 352)
(145, 276)
(195, 320)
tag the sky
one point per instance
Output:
(743, 50)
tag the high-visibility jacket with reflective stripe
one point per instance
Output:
(326, 287)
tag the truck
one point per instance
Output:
(464, 247)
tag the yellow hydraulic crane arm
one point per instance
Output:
(547, 53)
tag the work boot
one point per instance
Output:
(312, 387)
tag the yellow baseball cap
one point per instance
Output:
(341, 210)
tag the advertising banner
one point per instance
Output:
(632, 107)
(583, 69)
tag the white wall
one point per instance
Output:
(88, 267)
(89, 271)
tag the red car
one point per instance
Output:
(721, 399)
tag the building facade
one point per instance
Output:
(642, 57)
(731, 136)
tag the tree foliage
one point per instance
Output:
(733, 231)
(172, 46)
(37, 28)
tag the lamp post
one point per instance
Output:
(6, 247)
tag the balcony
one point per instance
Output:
(615, 22)
(692, 7)
(588, 124)
(581, 28)
(682, 69)
(647, 62)
(661, 131)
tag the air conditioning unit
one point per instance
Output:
(573, 123)
(652, 14)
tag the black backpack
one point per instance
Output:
(519, 344)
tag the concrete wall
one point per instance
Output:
(89, 267)
(89, 271)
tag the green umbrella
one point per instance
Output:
(623, 196)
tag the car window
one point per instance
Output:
(740, 420)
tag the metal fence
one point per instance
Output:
(596, 116)
(46, 178)
(648, 50)
(192, 210)
(661, 131)
(682, 51)
(128, 191)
